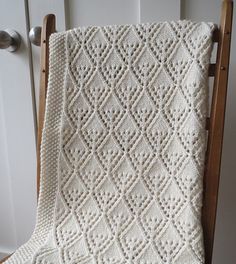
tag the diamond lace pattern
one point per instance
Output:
(123, 146)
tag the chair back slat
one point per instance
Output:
(212, 70)
(216, 35)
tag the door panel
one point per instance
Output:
(18, 174)
(7, 222)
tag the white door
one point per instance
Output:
(17, 137)
(16, 118)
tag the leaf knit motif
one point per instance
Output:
(123, 146)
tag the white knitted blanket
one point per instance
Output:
(123, 146)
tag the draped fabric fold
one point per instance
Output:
(123, 146)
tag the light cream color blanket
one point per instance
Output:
(123, 146)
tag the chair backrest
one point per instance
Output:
(215, 122)
(215, 126)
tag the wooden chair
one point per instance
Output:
(215, 122)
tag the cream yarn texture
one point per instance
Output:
(123, 146)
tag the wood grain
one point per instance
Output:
(216, 128)
(47, 30)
